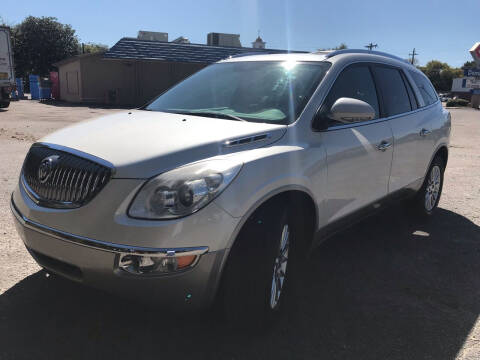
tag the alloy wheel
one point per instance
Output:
(280, 267)
(433, 188)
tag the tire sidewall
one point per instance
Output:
(247, 297)
(437, 161)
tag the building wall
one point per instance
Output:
(460, 90)
(108, 82)
(154, 77)
(459, 85)
(120, 82)
(70, 79)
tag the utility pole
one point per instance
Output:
(412, 54)
(371, 46)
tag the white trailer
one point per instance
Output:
(7, 74)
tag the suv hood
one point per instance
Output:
(141, 144)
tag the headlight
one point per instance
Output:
(183, 191)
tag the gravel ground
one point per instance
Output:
(388, 288)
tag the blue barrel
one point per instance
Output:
(45, 93)
(45, 88)
(19, 83)
(34, 87)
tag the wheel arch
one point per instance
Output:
(297, 197)
(294, 197)
(442, 151)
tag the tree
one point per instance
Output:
(41, 41)
(342, 46)
(469, 65)
(441, 74)
(93, 48)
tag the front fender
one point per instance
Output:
(272, 171)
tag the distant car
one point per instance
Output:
(444, 97)
(221, 185)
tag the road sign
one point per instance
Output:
(473, 83)
(475, 52)
(471, 72)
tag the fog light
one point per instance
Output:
(155, 264)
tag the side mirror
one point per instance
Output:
(348, 110)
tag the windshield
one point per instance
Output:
(259, 91)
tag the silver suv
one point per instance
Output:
(220, 187)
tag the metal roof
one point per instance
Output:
(132, 48)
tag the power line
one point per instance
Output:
(371, 46)
(412, 54)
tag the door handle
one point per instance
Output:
(424, 132)
(384, 145)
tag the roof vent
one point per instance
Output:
(181, 40)
(152, 35)
(219, 39)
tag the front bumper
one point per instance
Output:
(95, 263)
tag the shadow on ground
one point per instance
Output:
(388, 288)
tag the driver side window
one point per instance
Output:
(355, 82)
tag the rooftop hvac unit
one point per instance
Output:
(219, 39)
(152, 35)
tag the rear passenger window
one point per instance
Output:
(354, 82)
(427, 91)
(393, 90)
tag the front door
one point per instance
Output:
(359, 155)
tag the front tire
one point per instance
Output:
(259, 268)
(428, 197)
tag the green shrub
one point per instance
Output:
(456, 102)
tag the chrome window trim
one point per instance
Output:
(104, 245)
(347, 126)
(374, 121)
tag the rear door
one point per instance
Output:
(359, 155)
(409, 125)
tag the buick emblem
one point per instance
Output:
(46, 168)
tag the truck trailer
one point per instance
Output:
(7, 75)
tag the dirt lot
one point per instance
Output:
(388, 288)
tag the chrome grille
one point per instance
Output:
(58, 179)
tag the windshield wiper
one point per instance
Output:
(212, 113)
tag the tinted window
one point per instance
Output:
(426, 89)
(393, 90)
(354, 82)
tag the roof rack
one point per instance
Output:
(361, 51)
(263, 52)
(251, 53)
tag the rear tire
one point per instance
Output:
(428, 197)
(260, 268)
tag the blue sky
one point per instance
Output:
(438, 29)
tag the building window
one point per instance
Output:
(464, 83)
